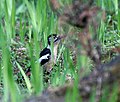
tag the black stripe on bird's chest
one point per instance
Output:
(45, 56)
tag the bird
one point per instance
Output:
(48, 55)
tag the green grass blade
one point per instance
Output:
(9, 84)
(25, 77)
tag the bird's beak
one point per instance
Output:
(60, 37)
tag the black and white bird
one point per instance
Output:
(48, 55)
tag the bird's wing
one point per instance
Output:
(45, 51)
(44, 56)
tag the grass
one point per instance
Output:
(35, 19)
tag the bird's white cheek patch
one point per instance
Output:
(43, 57)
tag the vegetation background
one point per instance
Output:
(24, 27)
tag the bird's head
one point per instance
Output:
(54, 38)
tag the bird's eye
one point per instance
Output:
(55, 38)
